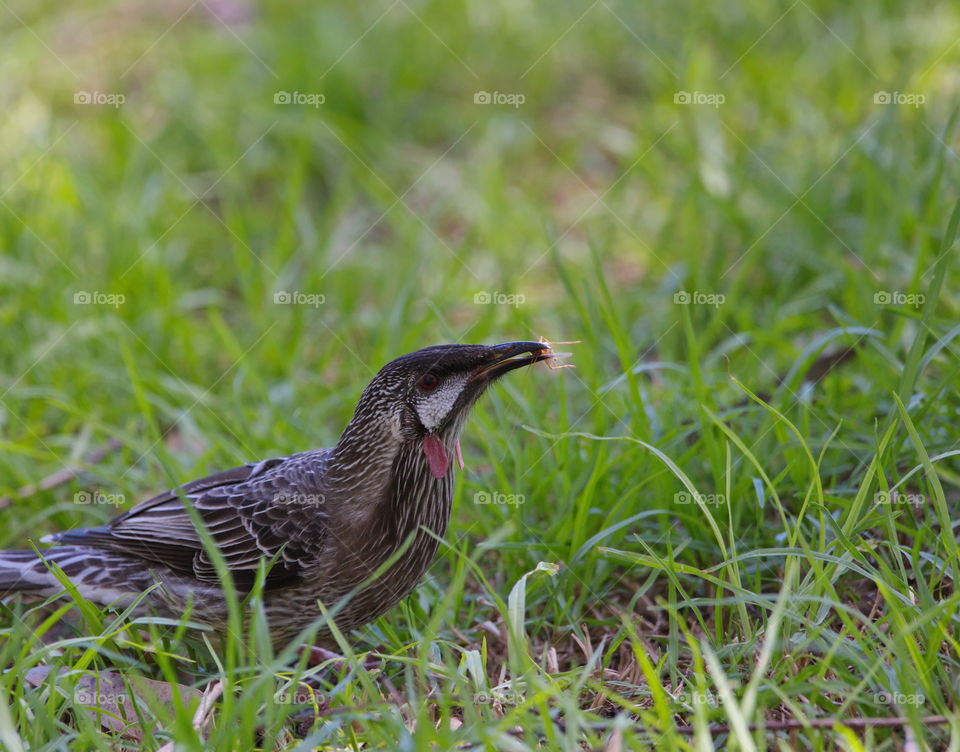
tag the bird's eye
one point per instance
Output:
(428, 382)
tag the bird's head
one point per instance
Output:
(423, 398)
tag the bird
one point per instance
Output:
(353, 527)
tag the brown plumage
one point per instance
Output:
(324, 521)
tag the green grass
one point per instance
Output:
(717, 498)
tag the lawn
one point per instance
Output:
(734, 524)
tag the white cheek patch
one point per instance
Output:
(433, 407)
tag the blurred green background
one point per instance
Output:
(218, 219)
(399, 198)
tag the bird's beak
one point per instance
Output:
(501, 359)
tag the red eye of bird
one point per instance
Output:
(428, 382)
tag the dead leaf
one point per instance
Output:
(114, 699)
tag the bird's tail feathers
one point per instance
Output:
(27, 572)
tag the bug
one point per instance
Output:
(550, 362)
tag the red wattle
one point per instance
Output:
(436, 455)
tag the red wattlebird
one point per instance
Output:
(324, 520)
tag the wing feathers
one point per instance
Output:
(252, 513)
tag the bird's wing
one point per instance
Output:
(272, 509)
